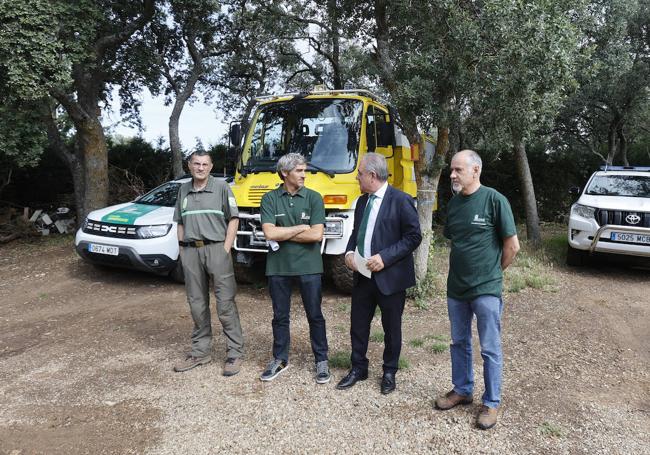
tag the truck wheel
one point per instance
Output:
(340, 274)
(574, 257)
(177, 272)
(249, 274)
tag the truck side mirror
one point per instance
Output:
(574, 190)
(235, 134)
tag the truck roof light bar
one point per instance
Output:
(361, 91)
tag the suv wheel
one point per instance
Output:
(177, 272)
(575, 258)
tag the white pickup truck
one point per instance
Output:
(612, 215)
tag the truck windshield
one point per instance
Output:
(620, 185)
(324, 131)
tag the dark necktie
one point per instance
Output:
(361, 237)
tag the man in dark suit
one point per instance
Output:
(386, 231)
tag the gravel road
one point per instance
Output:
(86, 356)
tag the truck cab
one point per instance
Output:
(332, 129)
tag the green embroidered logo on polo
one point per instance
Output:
(128, 214)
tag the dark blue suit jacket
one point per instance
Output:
(396, 235)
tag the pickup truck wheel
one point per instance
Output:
(340, 274)
(574, 257)
(177, 272)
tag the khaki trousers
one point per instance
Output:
(199, 266)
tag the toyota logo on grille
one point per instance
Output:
(633, 218)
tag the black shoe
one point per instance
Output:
(388, 383)
(351, 379)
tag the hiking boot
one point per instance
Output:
(191, 362)
(452, 399)
(322, 372)
(487, 417)
(232, 366)
(275, 367)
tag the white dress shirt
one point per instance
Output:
(372, 219)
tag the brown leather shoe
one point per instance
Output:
(190, 362)
(452, 399)
(232, 366)
(487, 417)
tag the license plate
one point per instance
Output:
(630, 237)
(103, 249)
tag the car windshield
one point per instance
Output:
(620, 185)
(324, 131)
(164, 195)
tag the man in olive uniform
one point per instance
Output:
(294, 217)
(484, 243)
(207, 217)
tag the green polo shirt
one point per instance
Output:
(205, 214)
(476, 225)
(282, 209)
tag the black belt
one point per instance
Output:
(197, 243)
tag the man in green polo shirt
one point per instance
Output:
(207, 217)
(484, 243)
(293, 216)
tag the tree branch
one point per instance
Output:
(116, 39)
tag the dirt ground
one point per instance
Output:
(86, 356)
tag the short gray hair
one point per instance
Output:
(376, 163)
(288, 163)
(473, 158)
(199, 153)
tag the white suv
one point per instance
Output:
(138, 235)
(612, 215)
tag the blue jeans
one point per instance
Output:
(488, 309)
(310, 290)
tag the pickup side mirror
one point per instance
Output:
(235, 134)
(574, 190)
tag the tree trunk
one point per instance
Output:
(181, 98)
(611, 145)
(175, 140)
(333, 12)
(528, 192)
(622, 145)
(428, 177)
(92, 146)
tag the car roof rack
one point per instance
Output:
(605, 167)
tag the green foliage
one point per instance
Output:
(533, 268)
(377, 337)
(340, 359)
(433, 283)
(403, 363)
(22, 136)
(439, 347)
(551, 430)
(416, 342)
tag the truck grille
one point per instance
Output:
(255, 194)
(120, 231)
(623, 218)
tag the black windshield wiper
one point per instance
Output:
(327, 172)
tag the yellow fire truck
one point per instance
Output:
(333, 129)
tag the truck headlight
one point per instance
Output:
(582, 210)
(156, 230)
(334, 228)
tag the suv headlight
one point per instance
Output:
(582, 210)
(156, 230)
